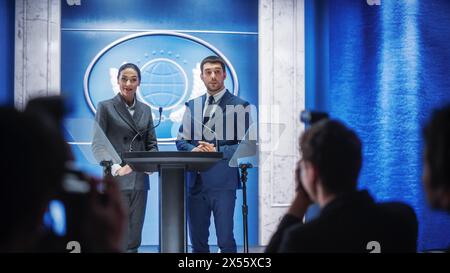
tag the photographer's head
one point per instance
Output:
(51, 111)
(436, 171)
(32, 167)
(52, 107)
(331, 160)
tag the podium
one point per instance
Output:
(172, 166)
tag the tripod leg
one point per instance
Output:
(244, 213)
(245, 216)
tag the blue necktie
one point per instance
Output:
(208, 111)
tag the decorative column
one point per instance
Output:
(37, 49)
(281, 99)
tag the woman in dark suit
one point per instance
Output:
(126, 121)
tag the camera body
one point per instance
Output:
(70, 214)
(69, 209)
(311, 117)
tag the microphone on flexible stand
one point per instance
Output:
(146, 130)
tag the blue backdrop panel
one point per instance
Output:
(387, 69)
(229, 15)
(95, 44)
(7, 52)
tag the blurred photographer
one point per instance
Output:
(31, 167)
(436, 161)
(35, 166)
(350, 220)
(436, 171)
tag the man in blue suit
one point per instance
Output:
(216, 121)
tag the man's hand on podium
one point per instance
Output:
(204, 147)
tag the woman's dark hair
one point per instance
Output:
(437, 147)
(335, 151)
(132, 66)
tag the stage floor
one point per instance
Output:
(213, 249)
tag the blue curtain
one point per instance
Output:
(7, 52)
(385, 68)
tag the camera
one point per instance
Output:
(311, 117)
(68, 213)
(68, 208)
(67, 204)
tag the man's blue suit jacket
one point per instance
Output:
(220, 176)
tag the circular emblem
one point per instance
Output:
(164, 84)
(170, 74)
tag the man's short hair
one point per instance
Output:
(212, 59)
(437, 147)
(335, 151)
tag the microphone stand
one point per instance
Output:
(106, 164)
(244, 167)
(139, 133)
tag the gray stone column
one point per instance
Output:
(281, 98)
(37, 49)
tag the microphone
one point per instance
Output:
(311, 117)
(146, 130)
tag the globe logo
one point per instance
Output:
(170, 74)
(164, 84)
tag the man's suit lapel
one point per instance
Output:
(221, 107)
(223, 103)
(224, 100)
(196, 117)
(203, 103)
(123, 113)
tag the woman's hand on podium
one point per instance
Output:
(124, 170)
